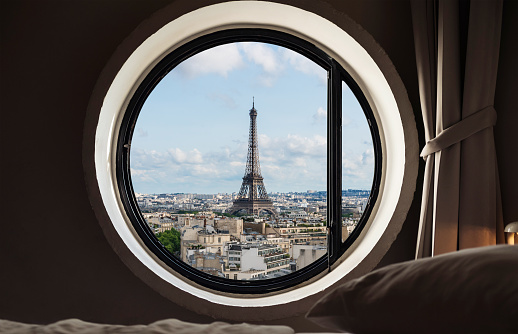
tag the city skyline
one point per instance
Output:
(277, 193)
(192, 133)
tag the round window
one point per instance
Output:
(250, 154)
(189, 170)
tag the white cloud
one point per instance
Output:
(148, 160)
(142, 175)
(186, 170)
(267, 58)
(204, 170)
(180, 157)
(304, 65)
(368, 157)
(320, 115)
(286, 162)
(313, 147)
(292, 150)
(219, 60)
(262, 55)
(358, 169)
(156, 160)
(225, 58)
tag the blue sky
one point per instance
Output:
(192, 133)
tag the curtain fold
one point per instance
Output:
(478, 223)
(461, 205)
(424, 18)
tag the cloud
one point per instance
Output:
(368, 157)
(142, 175)
(180, 157)
(218, 60)
(266, 57)
(358, 169)
(187, 170)
(262, 55)
(304, 65)
(320, 115)
(156, 160)
(288, 163)
(292, 163)
(148, 159)
(315, 146)
(292, 150)
(223, 59)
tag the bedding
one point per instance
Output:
(470, 291)
(169, 326)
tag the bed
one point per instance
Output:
(469, 291)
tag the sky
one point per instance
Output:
(192, 133)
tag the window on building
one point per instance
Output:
(242, 134)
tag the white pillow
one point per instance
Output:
(469, 291)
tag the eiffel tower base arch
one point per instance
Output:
(252, 207)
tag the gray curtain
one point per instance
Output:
(461, 206)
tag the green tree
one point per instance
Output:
(170, 239)
(183, 212)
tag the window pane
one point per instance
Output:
(195, 167)
(357, 161)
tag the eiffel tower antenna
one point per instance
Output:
(252, 196)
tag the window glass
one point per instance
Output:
(232, 164)
(194, 164)
(357, 161)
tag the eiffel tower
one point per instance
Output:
(252, 196)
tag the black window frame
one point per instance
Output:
(336, 75)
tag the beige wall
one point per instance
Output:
(233, 226)
(256, 227)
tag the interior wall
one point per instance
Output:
(506, 137)
(56, 262)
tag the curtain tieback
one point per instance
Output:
(461, 130)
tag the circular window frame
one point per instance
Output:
(337, 75)
(369, 67)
